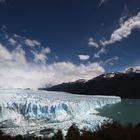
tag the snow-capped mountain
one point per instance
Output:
(28, 111)
(124, 84)
(132, 70)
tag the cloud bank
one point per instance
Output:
(16, 71)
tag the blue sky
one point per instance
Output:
(44, 33)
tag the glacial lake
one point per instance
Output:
(127, 111)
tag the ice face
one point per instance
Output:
(28, 110)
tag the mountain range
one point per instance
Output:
(125, 84)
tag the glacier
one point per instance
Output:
(29, 111)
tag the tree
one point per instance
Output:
(58, 135)
(1, 133)
(73, 133)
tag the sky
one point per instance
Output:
(47, 42)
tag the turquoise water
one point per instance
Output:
(127, 111)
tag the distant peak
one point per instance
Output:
(132, 70)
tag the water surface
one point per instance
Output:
(127, 111)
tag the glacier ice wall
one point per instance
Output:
(29, 110)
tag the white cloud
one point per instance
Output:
(22, 40)
(110, 61)
(100, 52)
(124, 30)
(17, 72)
(83, 57)
(38, 51)
(93, 43)
(67, 71)
(124, 15)
(41, 56)
(12, 41)
(17, 56)
(4, 53)
(32, 43)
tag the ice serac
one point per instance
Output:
(29, 110)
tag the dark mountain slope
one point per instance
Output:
(125, 84)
